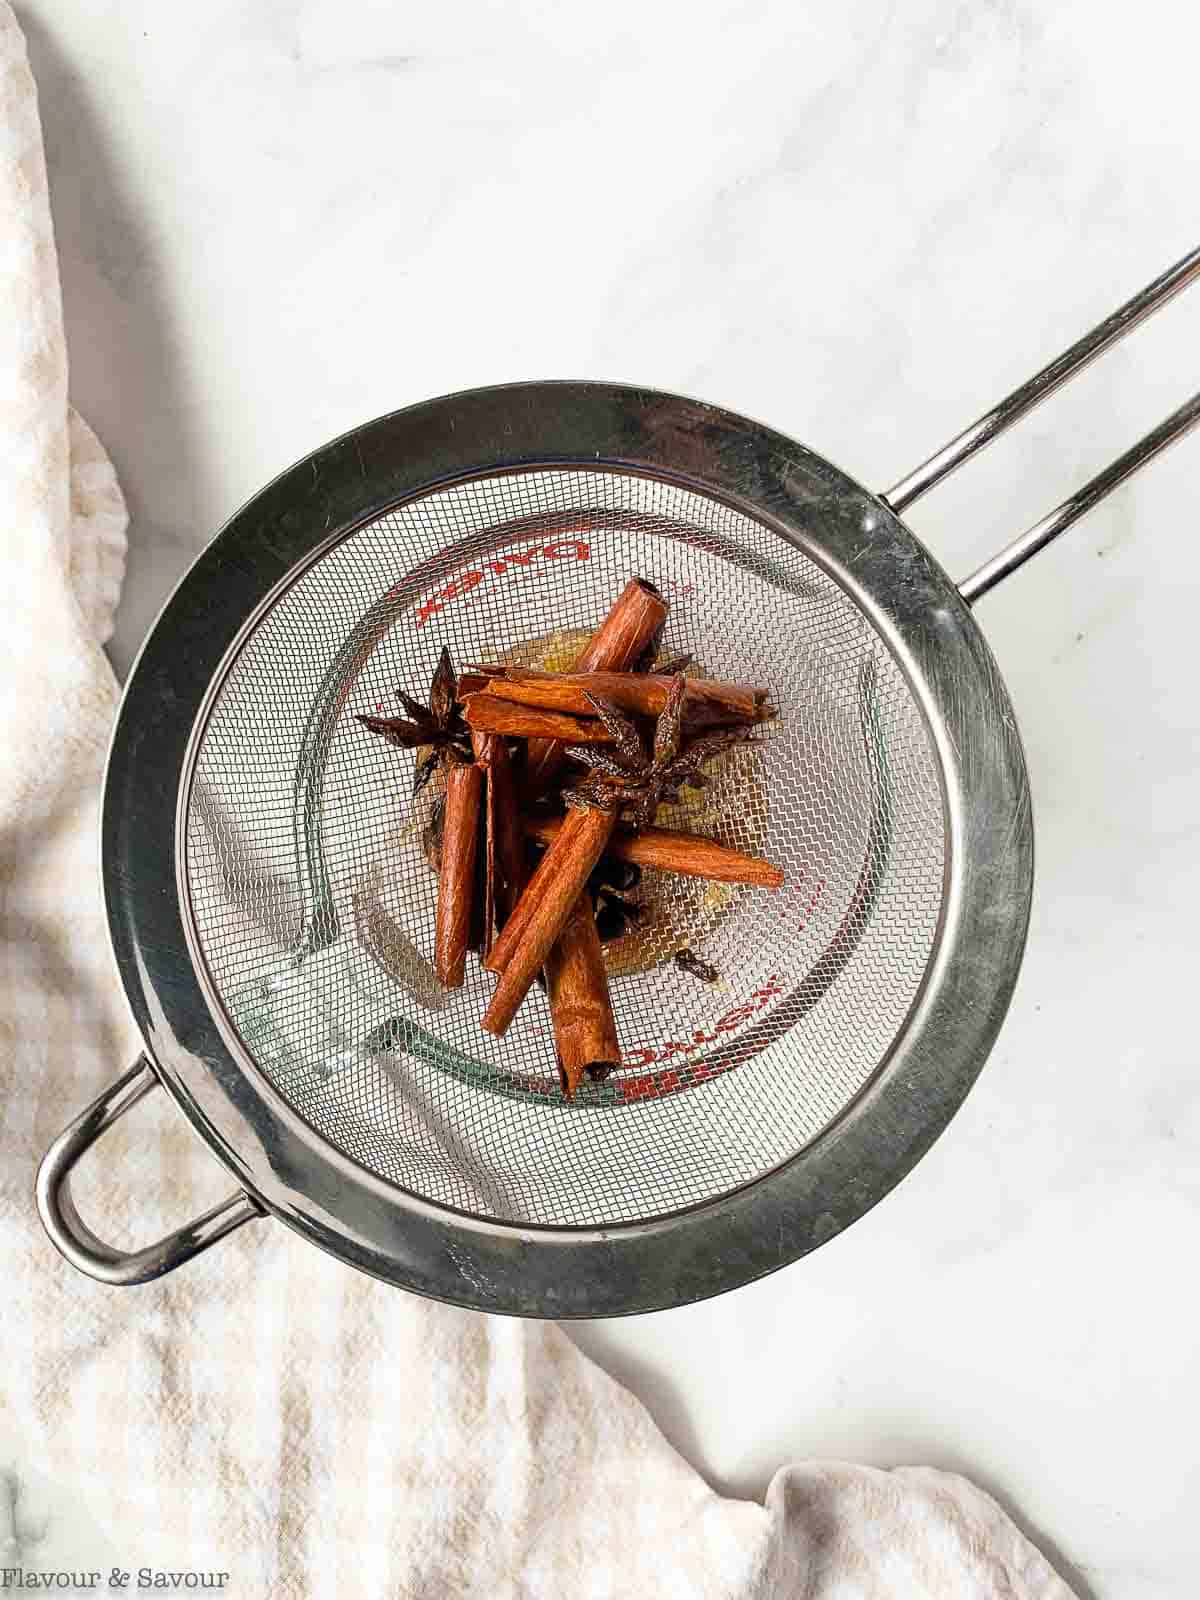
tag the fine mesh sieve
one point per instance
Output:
(313, 904)
(272, 908)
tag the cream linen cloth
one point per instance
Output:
(266, 1412)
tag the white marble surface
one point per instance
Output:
(862, 223)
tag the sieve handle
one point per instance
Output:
(72, 1236)
(1022, 401)
(1028, 544)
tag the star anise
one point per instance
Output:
(439, 726)
(627, 778)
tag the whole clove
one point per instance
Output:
(614, 914)
(688, 961)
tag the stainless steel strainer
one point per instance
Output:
(272, 908)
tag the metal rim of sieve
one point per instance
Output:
(562, 1272)
(859, 540)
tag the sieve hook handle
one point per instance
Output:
(72, 1236)
(1021, 401)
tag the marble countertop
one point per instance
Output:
(862, 223)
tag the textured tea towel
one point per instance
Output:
(267, 1412)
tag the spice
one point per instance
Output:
(585, 1031)
(612, 873)
(673, 664)
(551, 895)
(456, 873)
(513, 929)
(693, 855)
(437, 727)
(504, 849)
(636, 782)
(704, 699)
(485, 713)
(614, 914)
(474, 680)
(607, 885)
(634, 623)
(688, 961)
(498, 735)
(431, 834)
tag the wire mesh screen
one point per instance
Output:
(313, 900)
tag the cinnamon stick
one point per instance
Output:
(482, 744)
(514, 928)
(637, 615)
(691, 854)
(553, 889)
(504, 865)
(585, 1031)
(486, 713)
(456, 873)
(639, 694)
(472, 682)
(479, 933)
(636, 618)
